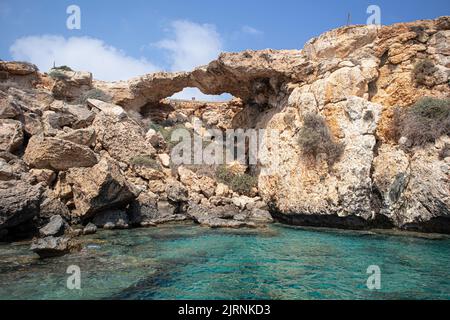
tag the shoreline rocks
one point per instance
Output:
(68, 158)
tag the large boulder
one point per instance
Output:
(123, 138)
(11, 135)
(143, 210)
(57, 154)
(18, 68)
(415, 192)
(177, 192)
(54, 121)
(99, 188)
(8, 109)
(71, 85)
(52, 205)
(19, 202)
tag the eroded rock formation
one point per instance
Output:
(97, 152)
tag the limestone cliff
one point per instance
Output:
(84, 149)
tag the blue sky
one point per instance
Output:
(119, 39)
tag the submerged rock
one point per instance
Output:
(90, 229)
(50, 247)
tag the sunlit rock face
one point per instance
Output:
(92, 143)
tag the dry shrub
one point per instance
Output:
(424, 122)
(240, 183)
(423, 72)
(315, 138)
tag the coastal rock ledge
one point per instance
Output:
(363, 115)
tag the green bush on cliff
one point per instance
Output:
(63, 68)
(315, 138)
(166, 132)
(424, 122)
(57, 75)
(240, 183)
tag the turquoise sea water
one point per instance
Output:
(191, 262)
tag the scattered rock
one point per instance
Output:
(177, 192)
(18, 68)
(50, 247)
(90, 229)
(11, 135)
(111, 219)
(57, 154)
(121, 137)
(43, 175)
(55, 227)
(165, 159)
(19, 202)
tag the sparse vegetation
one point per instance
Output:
(57, 75)
(240, 183)
(93, 94)
(423, 72)
(146, 161)
(166, 132)
(315, 138)
(423, 122)
(62, 68)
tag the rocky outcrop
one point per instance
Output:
(19, 202)
(70, 85)
(11, 135)
(55, 227)
(99, 188)
(57, 154)
(18, 68)
(250, 75)
(350, 79)
(119, 135)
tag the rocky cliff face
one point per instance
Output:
(82, 149)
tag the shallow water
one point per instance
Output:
(191, 262)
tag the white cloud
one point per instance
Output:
(251, 31)
(191, 45)
(80, 53)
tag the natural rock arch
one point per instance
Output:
(253, 76)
